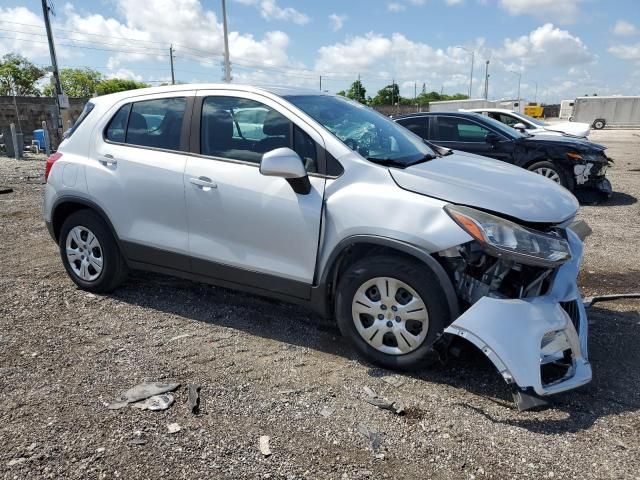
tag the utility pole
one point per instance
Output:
(473, 56)
(54, 65)
(173, 78)
(227, 65)
(535, 98)
(519, 81)
(486, 81)
(320, 82)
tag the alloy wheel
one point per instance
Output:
(84, 253)
(549, 173)
(390, 315)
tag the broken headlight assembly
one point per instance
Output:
(505, 239)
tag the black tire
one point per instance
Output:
(416, 276)
(565, 180)
(114, 269)
(599, 123)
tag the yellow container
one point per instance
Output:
(535, 111)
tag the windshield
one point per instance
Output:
(364, 130)
(535, 121)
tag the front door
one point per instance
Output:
(244, 227)
(469, 136)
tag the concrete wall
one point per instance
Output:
(34, 110)
(400, 109)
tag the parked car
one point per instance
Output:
(534, 126)
(572, 162)
(337, 208)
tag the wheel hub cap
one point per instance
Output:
(549, 173)
(84, 253)
(380, 301)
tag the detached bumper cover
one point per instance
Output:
(510, 332)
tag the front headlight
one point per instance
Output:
(503, 238)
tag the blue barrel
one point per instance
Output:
(38, 136)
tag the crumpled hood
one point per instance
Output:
(572, 128)
(475, 181)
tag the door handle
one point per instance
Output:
(204, 183)
(108, 160)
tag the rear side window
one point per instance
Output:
(84, 114)
(417, 125)
(451, 129)
(118, 125)
(156, 123)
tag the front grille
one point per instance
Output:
(573, 311)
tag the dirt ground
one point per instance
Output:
(266, 368)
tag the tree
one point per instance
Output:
(342, 93)
(18, 75)
(388, 95)
(357, 92)
(114, 85)
(76, 82)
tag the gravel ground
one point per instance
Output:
(266, 368)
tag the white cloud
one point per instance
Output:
(125, 74)
(337, 21)
(626, 52)
(623, 28)
(270, 10)
(454, 2)
(546, 46)
(396, 7)
(561, 11)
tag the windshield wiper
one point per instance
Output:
(426, 158)
(390, 162)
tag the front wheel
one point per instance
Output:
(392, 310)
(552, 172)
(90, 253)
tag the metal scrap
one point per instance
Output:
(155, 403)
(141, 392)
(377, 401)
(375, 439)
(194, 398)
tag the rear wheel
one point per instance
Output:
(392, 310)
(552, 172)
(90, 253)
(599, 123)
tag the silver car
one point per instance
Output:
(323, 202)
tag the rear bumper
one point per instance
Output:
(523, 337)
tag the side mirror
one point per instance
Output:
(287, 164)
(520, 126)
(491, 138)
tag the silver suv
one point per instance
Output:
(314, 199)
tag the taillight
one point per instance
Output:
(50, 161)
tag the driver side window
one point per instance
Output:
(242, 129)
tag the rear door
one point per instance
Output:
(244, 227)
(136, 173)
(467, 135)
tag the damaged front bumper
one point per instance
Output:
(593, 175)
(537, 343)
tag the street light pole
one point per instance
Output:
(473, 55)
(535, 98)
(519, 82)
(486, 81)
(227, 65)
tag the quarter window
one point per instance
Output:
(243, 129)
(118, 125)
(156, 123)
(459, 130)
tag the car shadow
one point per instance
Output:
(594, 198)
(614, 355)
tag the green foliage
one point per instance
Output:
(114, 85)
(76, 82)
(357, 92)
(342, 93)
(388, 95)
(19, 73)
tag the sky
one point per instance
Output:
(555, 49)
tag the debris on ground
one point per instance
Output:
(137, 441)
(374, 399)
(141, 392)
(327, 411)
(5, 190)
(16, 461)
(264, 445)
(173, 428)
(393, 380)
(184, 335)
(194, 398)
(155, 403)
(372, 435)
